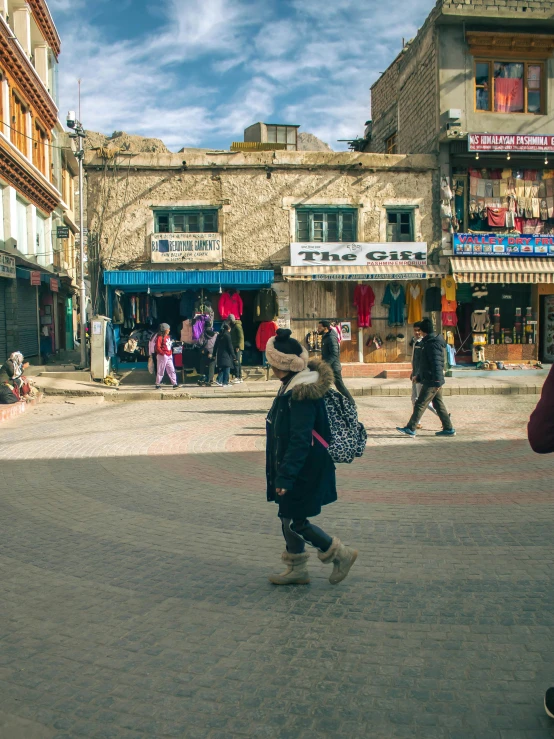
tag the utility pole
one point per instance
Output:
(79, 134)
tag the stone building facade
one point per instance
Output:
(255, 199)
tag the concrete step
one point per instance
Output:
(76, 375)
(390, 373)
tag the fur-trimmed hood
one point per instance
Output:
(313, 382)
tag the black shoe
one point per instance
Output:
(549, 702)
(158, 387)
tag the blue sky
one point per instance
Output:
(197, 72)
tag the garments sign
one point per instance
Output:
(503, 245)
(346, 328)
(184, 247)
(35, 278)
(54, 285)
(62, 232)
(365, 254)
(7, 266)
(509, 142)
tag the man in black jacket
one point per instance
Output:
(330, 353)
(431, 377)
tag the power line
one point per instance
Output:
(52, 146)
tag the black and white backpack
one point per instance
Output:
(348, 435)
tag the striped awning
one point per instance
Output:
(507, 270)
(340, 272)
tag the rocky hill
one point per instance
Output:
(309, 142)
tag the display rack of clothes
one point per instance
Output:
(139, 309)
(364, 300)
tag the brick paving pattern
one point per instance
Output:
(135, 542)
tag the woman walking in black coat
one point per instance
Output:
(225, 357)
(300, 472)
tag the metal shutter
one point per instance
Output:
(3, 336)
(27, 319)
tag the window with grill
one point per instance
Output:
(391, 144)
(283, 135)
(400, 225)
(185, 221)
(326, 225)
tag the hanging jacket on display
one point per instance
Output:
(266, 307)
(395, 299)
(364, 300)
(118, 315)
(230, 304)
(433, 299)
(266, 331)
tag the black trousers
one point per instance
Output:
(300, 532)
(431, 395)
(339, 383)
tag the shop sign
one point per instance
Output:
(365, 254)
(54, 285)
(346, 328)
(35, 278)
(62, 232)
(334, 277)
(181, 247)
(509, 142)
(7, 266)
(503, 245)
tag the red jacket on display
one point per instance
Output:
(163, 345)
(230, 304)
(266, 331)
(364, 300)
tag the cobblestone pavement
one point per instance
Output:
(134, 547)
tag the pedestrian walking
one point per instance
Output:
(416, 361)
(540, 432)
(330, 353)
(164, 357)
(300, 472)
(431, 377)
(225, 358)
(237, 337)
(207, 356)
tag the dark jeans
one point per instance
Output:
(237, 369)
(431, 395)
(223, 376)
(207, 368)
(299, 532)
(339, 384)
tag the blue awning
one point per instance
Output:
(25, 274)
(139, 280)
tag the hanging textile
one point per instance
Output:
(414, 298)
(447, 306)
(449, 318)
(433, 298)
(118, 316)
(266, 331)
(230, 303)
(266, 305)
(186, 332)
(186, 304)
(364, 300)
(395, 299)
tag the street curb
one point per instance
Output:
(14, 410)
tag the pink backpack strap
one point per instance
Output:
(320, 439)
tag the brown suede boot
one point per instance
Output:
(296, 572)
(342, 557)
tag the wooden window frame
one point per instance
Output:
(491, 61)
(325, 212)
(39, 147)
(171, 213)
(18, 131)
(401, 210)
(391, 144)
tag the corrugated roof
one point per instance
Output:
(509, 270)
(246, 278)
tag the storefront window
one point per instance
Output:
(508, 87)
(326, 226)
(400, 225)
(186, 221)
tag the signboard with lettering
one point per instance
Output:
(503, 245)
(35, 278)
(54, 285)
(187, 247)
(7, 266)
(509, 142)
(401, 254)
(62, 232)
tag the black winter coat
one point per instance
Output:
(225, 351)
(431, 365)
(330, 350)
(295, 460)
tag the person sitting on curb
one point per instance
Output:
(300, 472)
(540, 432)
(431, 377)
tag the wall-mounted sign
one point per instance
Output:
(54, 285)
(35, 278)
(7, 266)
(366, 254)
(185, 247)
(509, 142)
(503, 245)
(62, 232)
(346, 328)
